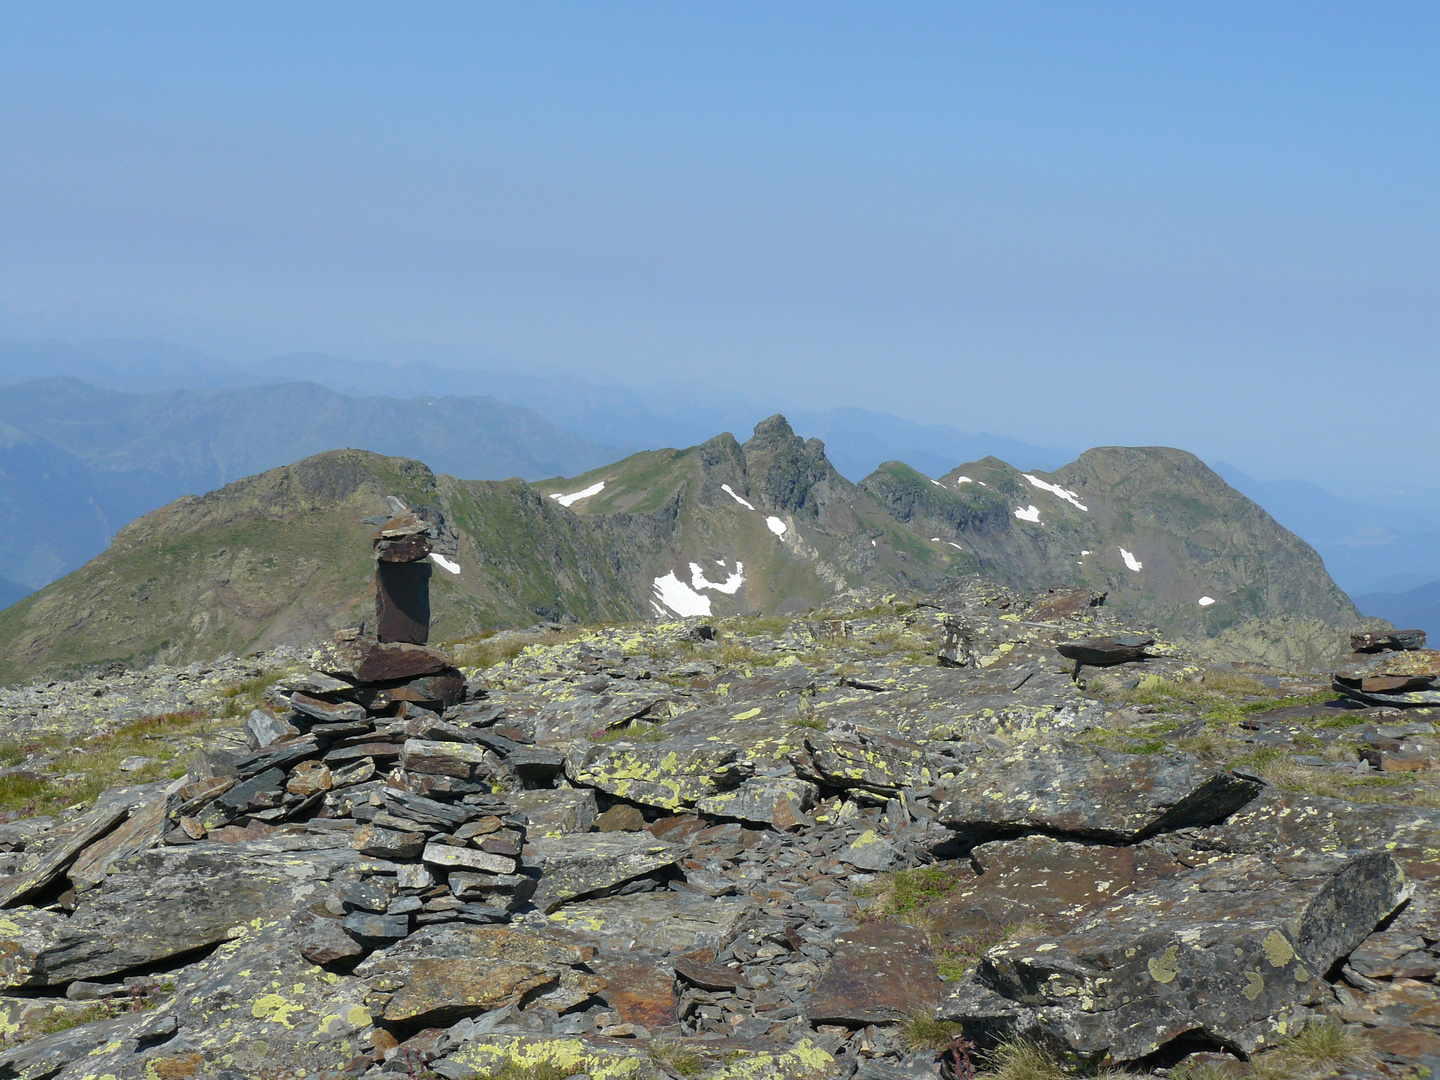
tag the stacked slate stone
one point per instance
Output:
(1391, 668)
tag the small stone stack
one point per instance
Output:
(402, 580)
(1391, 668)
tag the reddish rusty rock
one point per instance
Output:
(309, 778)
(709, 976)
(638, 987)
(622, 817)
(881, 974)
(385, 661)
(1385, 684)
(234, 834)
(1041, 880)
(676, 830)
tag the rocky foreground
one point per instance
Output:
(829, 846)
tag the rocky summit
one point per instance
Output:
(956, 830)
(764, 527)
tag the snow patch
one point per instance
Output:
(935, 482)
(963, 480)
(983, 484)
(1206, 601)
(1056, 489)
(448, 564)
(576, 496)
(728, 490)
(1084, 553)
(872, 543)
(679, 597)
(934, 540)
(729, 586)
(1131, 562)
(956, 546)
(1030, 513)
(776, 526)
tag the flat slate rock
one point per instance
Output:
(170, 901)
(680, 921)
(555, 812)
(442, 974)
(1090, 792)
(1239, 948)
(1106, 651)
(1388, 641)
(881, 973)
(758, 799)
(667, 775)
(52, 852)
(1039, 879)
(1282, 825)
(591, 863)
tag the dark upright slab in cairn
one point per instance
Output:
(402, 581)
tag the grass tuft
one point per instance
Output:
(634, 731)
(677, 1059)
(907, 892)
(922, 1031)
(1320, 1049)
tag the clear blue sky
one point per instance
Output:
(1210, 225)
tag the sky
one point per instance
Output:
(1209, 225)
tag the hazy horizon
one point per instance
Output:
(1211, 228)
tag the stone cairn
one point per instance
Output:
(384, 732)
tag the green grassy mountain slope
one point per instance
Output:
(1167, 538)
(285, 557)
(767, 527)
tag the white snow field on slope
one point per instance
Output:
(1030, 513)
(1056, 489)
(1130, 560)
(576, 496)
(730, 586)
(687, 600)
(728, 490)
(776, 526)
(448, 564)
(679, 597)
(1206, 601)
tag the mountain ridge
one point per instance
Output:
(721, 528)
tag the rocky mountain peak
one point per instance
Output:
(785, 470)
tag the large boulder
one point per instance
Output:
(1236, 951)
(1085, 791)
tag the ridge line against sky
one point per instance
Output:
(1065, 223)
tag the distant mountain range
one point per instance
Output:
(767, 526)
(175, 421)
